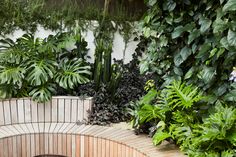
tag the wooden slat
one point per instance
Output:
(60, 145)
(1, 148)
(19, 146)
(7, 112)
(21, 113)
(14, 113)
(61, 112)
(28, 147)
(68, 110)
(80, 109)
(50, 143)
(54, 110)
(14, 146)
(27, 105)
(69, 145)
(10, 147)
(41, 115)
(55, 143)
(82, 153)
(34, 107)
(64, 144)
(1, 114)
(23, 146)
(91, 140)
(37, 144)
(74, 105)
(32, 145)
(73, 148)
(46, 143)
(48, 108)
(5, 147)
(77, 150)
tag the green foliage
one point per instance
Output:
(181, 35)
(58, 14)
(37, 67)
(72, 73)
(179, 112)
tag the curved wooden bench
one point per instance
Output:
(71, 140)
(30, 129)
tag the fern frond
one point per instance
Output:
(182, 95)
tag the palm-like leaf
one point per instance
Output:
(72, 73)
(182, 95)
(40, 71)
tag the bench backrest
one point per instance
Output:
(59, 109)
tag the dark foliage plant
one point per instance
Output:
(111, 107)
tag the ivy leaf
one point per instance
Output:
(185, 52)
(230, 6)
(189, 73)
(144, 67)
(182, 56)
(178, 71)
(207, 74)
(169, 5)
(193, 35)
(177, 32)
(152, 2)
(231, 38)
(205, 24)
(219, 26)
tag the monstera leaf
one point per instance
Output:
(40, 71)
(72, 73)
(43, 93)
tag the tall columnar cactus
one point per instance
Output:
(104, 71)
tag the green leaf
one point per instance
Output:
(231, 38)
(207, 74)
(149, 97)
(159, 137)
(230, 6)
(169, 5)
(193, 35)
(189, 73)
(185, 52)
(144, 66)
(152, 2)
(205, 24)
(219, 26)
(177, 32)
(180, 57)
(72, 73)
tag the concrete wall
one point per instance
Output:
(118, 44)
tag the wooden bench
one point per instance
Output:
(29, 129)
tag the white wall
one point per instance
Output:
(118, 43)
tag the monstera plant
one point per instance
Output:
(37, 67)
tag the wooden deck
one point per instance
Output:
(30, 130)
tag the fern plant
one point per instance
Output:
(182, 95)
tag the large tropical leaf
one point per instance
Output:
(72, 73)
(43, 93)
(40, 71)
(11, 75)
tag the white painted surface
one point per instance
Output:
(118, 43)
